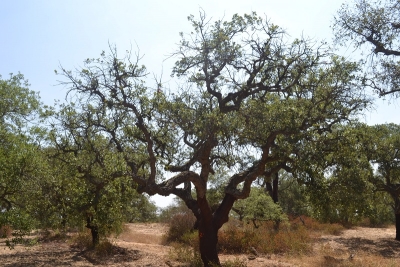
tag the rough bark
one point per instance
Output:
(209, 224)
(272, 188)
(94, 230)
(397, 215)
(208, 239)
(275, 188)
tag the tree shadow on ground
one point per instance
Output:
(56, 254)
(388, 248)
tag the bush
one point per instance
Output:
(264, 239)
(314, 225)
(82, 241)
(236, 240)
(5, 231)
(104, 248)
(179, 225)
(186, 254)
(191, 257)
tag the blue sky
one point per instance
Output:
(39, 36)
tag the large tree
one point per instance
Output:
(375, 27)
(246, 98)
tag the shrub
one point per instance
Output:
(314, 225)
(264, 239)
(186, 254)
(236, 240)
(5, 231)
(82, 241)
(191, 257)
(104, 248)
(179, 225)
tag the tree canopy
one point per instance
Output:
(374, 26)
(19, 170)
(248, 98)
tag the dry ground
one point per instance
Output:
(141, 245)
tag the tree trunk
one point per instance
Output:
(94, 230)
(208, 238)
(275, 183)
(209, 224)
(272, 188)
(268, 188)
(95, 236)
(397, 215)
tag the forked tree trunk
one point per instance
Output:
(397, 215)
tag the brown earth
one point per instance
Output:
(141, 245)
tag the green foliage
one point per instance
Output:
(249, 102)
(22, 224)
(336, 174)
(381, 144)
(139, 208)
(293, 197)
(20, 159)
(260, 207)
(18, 104)
(373, 25)
(380, 212)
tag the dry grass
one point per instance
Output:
(265, 240)
(146, 233)
(370, 247)
(314, 226)
(344, 259)
(138, 237)
(5, 231)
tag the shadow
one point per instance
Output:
(66, 256)
(37, 258)
(388, 248)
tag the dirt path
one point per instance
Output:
(141, 245)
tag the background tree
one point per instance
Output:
(375, 26)
(259, 207)
(245, 91)
(382, 146)
(19, 108)
(96, 189)
(337, 174)
(294, 198)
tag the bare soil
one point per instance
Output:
(141, 245)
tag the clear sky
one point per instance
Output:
(39, 36)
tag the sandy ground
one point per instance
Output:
(141, 245)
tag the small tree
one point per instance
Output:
(99, 191)
(259, 206)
